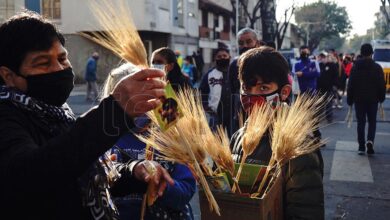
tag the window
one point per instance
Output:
(382, 55)
(51, 9)
(7, 9)
(178, 13)
(205, 18)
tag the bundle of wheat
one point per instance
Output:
(223, 157)
(185, 141)
(257, 123)
(118, 32)
(291, 128)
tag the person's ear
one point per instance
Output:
(285, 92)
(8, 76)
(169, 67)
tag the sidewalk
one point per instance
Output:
(77, 99)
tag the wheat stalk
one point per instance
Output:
(119, 33)
(257, 123)
(291, 128)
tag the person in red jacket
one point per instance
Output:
(347, 63)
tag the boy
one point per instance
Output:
(263, 75)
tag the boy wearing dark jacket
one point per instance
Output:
(263, 75)
(366, 88)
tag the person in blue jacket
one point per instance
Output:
(308, 72)
(174, 204)
(90, 77)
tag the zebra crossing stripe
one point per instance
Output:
(347, 165)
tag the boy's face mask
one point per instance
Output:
(249, 100)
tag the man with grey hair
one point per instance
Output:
(246, 39)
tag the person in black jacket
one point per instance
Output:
(326, 82)
(366, 88)
(44, 150)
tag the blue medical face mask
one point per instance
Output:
(158, 66)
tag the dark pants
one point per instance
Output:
(366, 111)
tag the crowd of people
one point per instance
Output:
(56, 166)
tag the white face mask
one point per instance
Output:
(159, 66)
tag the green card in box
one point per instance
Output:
(251, 175)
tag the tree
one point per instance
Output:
(381, 27)
(283, 25)
(252, 15)
(322, 20)
(335, 42)
(385, 10)
(266, 11)
(357, 41)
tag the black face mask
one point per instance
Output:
(51, 88)
(242, 50)
(222, 64)
(304, 55)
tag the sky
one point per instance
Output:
(360, 12)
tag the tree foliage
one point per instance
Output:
(356, 42)
(283, 24)
(321, 20)
(335, 42)
(386, 10)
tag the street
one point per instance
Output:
(356, 187)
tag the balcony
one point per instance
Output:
(210, 34)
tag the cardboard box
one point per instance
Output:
(235, 207)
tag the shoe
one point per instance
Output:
(333, 106)
(339, 106)
(370, 147)
(361, 150)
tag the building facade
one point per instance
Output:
(215, 28)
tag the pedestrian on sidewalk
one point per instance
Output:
(44, 150)
(366, 88)
(90, 77)
(326, 82)
(308, 72)
(189, 70)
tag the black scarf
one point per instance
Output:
(45, 112)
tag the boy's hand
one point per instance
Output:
(140, 92)
(299, 73)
